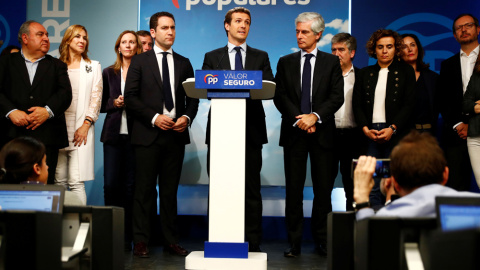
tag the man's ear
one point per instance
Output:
(37, 169)
(445, 176)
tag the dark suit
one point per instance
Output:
(256, 136)
(118, 154)
(159, 153)
(51, 87)
(451, 97)
(326, 99)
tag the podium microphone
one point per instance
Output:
(221, 58)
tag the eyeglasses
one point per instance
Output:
(467, 26)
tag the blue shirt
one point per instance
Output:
(419, 203)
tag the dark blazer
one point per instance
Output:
(256, 128)
(144, 95)
(471, 96)
(111, 90)
(430, 78)
(451, 99)
(51, 87)
(327, 96)
(399, 99)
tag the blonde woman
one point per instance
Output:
(118, 157)
(76, 161)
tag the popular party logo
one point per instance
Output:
(210, 79)
(221, 3)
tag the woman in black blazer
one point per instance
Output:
(118, 156)
(471, 107)
(425, 114)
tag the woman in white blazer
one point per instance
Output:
(76, 161)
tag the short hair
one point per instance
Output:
(64, 47)
(381, 33)
(229, 14)
(119, 61)
(421, 53)
(24, 29)
(346, 38)
(475, 20)
(18, 157)
(154, 18)
(318, 24)
(143, 33)
(417, 161)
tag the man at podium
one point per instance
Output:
(238, 56)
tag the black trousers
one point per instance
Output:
(323, 173)
(460, 168)
(162, 161)
(348, 145)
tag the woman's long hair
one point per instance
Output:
(64, 48)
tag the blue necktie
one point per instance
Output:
(167, 90)
(306, 85)
(238, 59)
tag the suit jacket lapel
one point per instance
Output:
(176, 66)
(250, 58)
(20, 67)
(225, 62)
(317, 73)
(296, 74)
(40, 73)
(153, 63)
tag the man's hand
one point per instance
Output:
(462, 129)
(312, 129)
(477, 106)
(363, 178)
(385, 135)
(181, 124)
(37, 116)
(372, 134)
(19, 118)
(306, 121)
(164, 122)
(81, 135)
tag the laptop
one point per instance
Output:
(47, 198)
(457, 213)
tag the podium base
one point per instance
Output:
(196, 260)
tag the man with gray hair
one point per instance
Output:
(35, 92)
(307, 103)
(347, 135)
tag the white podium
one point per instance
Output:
(226, 247)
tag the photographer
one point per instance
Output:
(418, 171)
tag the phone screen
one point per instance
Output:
(382, 169)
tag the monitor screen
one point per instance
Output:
(456, 213)
(47, 198)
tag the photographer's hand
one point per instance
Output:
(363, 178)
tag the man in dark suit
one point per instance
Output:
(348, 137)
(453, 80)
(237, 25)
(155, 97)
(309, 91)
(35, 92)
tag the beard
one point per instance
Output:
(467, 41)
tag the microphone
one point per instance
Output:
(221, 58)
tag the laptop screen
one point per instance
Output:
(456, 213)
(47, 198)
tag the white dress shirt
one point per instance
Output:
(232, 53)
(380, 94)
(344, 117)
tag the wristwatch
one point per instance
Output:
(358, 206)
(393, 128)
